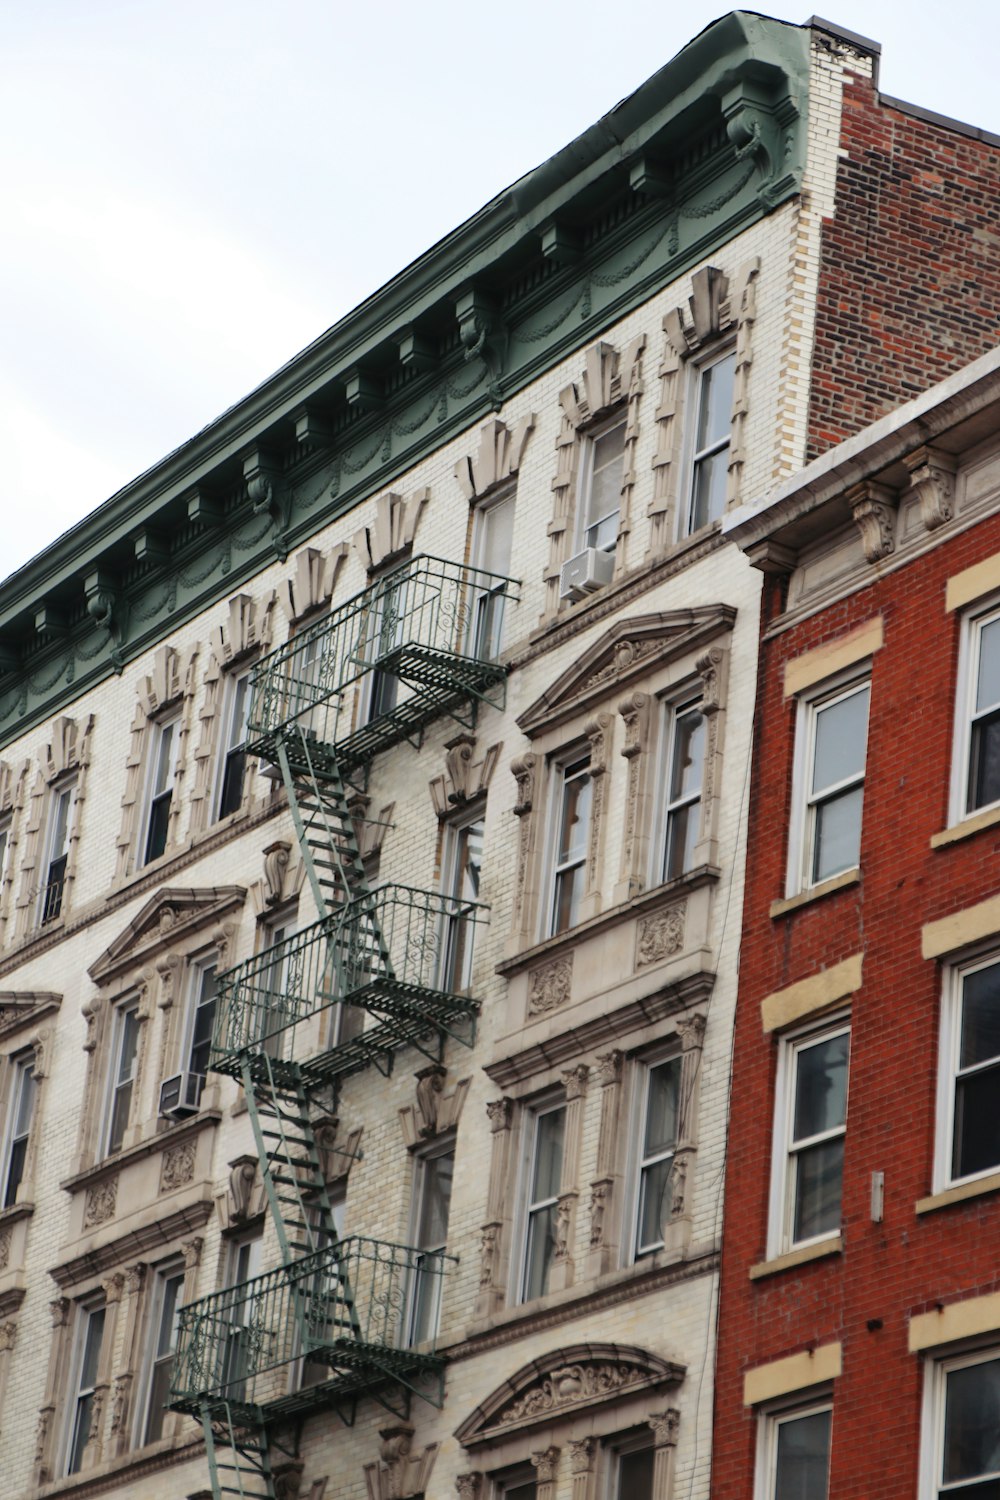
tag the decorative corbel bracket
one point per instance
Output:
(484, 336)
(268, 496)
(758, 127)
(107, 610)
(873, 507)
(932, 479)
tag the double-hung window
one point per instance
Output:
(709, 442)
(20, 1109)
(124, 1058)
(684, 775)
(492, 541)
(969, 1084)
(234, 735)
(56, 854)
(793, 1461)
(244, 1266)
(83, 1383)
(204, 994)
(161, 789)
(657, 1141)
(831, 744)
(633, 1471)
(602, 470)
(463, 870)
(978, 708)
(572, 832)
(962, 1433)
(434, 1174)
(810, 1122)
(168, 1293)
(544, 1158)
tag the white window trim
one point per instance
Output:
(932, 1413)
(948, 1055)
(198, 965)
(636, 1124)
(585, 480)
(158, 728)
(781, 1203)
(801, 836)
(67, 788)
(618, 1448)
(21, 1066)
(691, 456)
(129, 1004)
(671, 710)
(83, 1313)
(443, 1147)
(162, 1274)
(769, 1421)
(232, 681)
(505, 494)
(531, 1115)
(965, 698)
(579, 757)
(453, 832)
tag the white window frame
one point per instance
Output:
(693, 456)
(769, 1423)
(578, 763)
(445, 1147)
(119, 1024)
(528, 1208)
(200, 967)
(948, 1060)
(802, 836)
(171, 1272)
(458, 937)
(490, 602)
(785, 1149)
(21, 1076)
(673, 711)
(932, 1420)
(965, 710)
(639, 1163)
(153, 794)
(624, 1448)
(248, 1246)
(6, 824)
(585, 483)
(85, 1313)
(63, 794)
(228, 745)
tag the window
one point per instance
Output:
(160, 789)
(710, 442)
(234, 753)
(168, 1293)
(963, 1433)
(832, 737)
(684, 774)
(244, 1265)
(660, 1096)
(383, 631)
(124, 1050)
(969, 1130)
(463, 867)
(979, 714)
(633, 1471)
(517, 1484)
(571, 834)
(4, 846)
(274, 1001)
(493, 539)
(204, 995)
(86, 1359)
(56, 854)
(20, 1109)
(794, 1461)
(602, 471)
(810, 1117)
(432, 1187)
(546, 1133)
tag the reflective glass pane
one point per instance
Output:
(715, 402)
(988, 676)
(837, 839)
(682, 835)
(604, 500)
(547, 1168)
(819, 1172)
(435, 1201)
(820, 1086)
(654, 1204)
(635, 1475)
(92, 1349)
(688, 756)
(977, 1122)
(803, 1458)
(841, 739)
(569, 889)
(980, 1017)
(496, 537)
(161, 774)
(661, 1108)
(984, 762)
(129, 1039)
(708, 490)
(972, 1422)
(540, 1252)
(575, 819)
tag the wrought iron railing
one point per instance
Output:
(338, 1308)
(425, 611)
(386, 941)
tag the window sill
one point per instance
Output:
(801, 1257)
(815, 892)
(172, 1135)
(15, 1212)
(132, 1466)
(964, 829)
(958, 1194)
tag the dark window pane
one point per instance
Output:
(540, 1252)
(159, 817)
(635, 1475)
(708, 499)
(232, 782)
(52, 902)
(841, 740)
(821, 1086)
(972, 1424)
(988, 675)
(837, 845)
(984, 762)
(548, 1155)
(977, 1123)
(980, 1017)
(819, 1173)
(15, 1171)
(803, 1459)
(654, 1204)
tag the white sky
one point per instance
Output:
(193, 190)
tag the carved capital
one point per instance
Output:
(546, 1463)
(113, 1287)
(468, 1486)
(575, 1081)
(609, 1066)
(276, 857)
(523, 771)
(711, 666)
(932, 477)
(691, 1030)
(8, 1336)
(873, 507)
(191, 1251)
(666, 1427)
(598, 731)
(500, 1112)
(635, 711)
(581, 1454)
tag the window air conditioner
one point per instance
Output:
(180, 1096)
(583, 574)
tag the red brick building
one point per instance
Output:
(860, 1301)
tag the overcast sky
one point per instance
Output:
(193, 190)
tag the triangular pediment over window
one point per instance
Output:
(166, 917)
(627, 651)
(25, 1007)
(562, 1383)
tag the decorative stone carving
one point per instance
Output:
(101, 1203)
(581, 1454)
(546, 1463)
(59, 1308)
(393, 529)
(666, 1427)
(288, 1480)
(500, 1113)
(709, 667)
(873, 507)
(465, 779)
(433, 1111)
(575, 1081)
(568, 1386)
(430, 1087)
(550, 985)
(487, 1253)
(932, 478)
(119, 1402)
(598, 1203)
(242, 1180)
(523, 771)
(191, 1251)
(276, 857)
(691, 1030)
(609, 1066)
(678, 1186)
(497, 458)
(400, 1473)
(134, 1278)
(661, 935)
(564, 1219)
(8, 1337)
(468, 1486)
(90, 1013)
(312, 580)
(113, 1287)
(177, 1166)
(5, 1249)
(42, 1432)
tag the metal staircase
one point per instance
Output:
(373, 974)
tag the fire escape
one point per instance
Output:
(380, 969)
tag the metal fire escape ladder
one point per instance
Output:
(246, 1469)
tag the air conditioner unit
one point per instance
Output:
(586, 572)
(180, 1096)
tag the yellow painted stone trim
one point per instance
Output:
(959, 1320)
(833, 656)
(948, 934)
(968, 826)
(800, 1257)
(972, 583)
(814, 892)
(959, 1193)
(793, 1373)
(783, 1007)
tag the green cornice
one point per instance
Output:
(711, 143)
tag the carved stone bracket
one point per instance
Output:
(393, 530)
(873, 507)
(483, 335)
(399, 1473)
(464, 779)
(932, 478)
(497, 458)
(469, 1486)
(269, 495)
